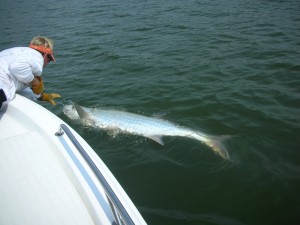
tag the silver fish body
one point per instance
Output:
(150, 127)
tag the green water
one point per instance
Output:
(220, 67)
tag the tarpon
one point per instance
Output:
(150, 127)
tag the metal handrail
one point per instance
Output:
(114, 201)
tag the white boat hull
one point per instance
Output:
(46, 180)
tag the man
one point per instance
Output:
(21, 67)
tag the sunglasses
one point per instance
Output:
(48, 57)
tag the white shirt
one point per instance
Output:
(21, 64)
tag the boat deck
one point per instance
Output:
(44, 178)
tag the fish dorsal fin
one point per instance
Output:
(81, 112)
(84, 116)
(157, 139)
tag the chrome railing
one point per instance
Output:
(120, 213)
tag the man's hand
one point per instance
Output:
(37, 85)
(49, 97)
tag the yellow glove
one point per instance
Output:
(49, 97)
(37, 85)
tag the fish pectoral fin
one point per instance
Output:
(157, 139)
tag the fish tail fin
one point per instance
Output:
(216, 143)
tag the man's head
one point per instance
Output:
(45, 46)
